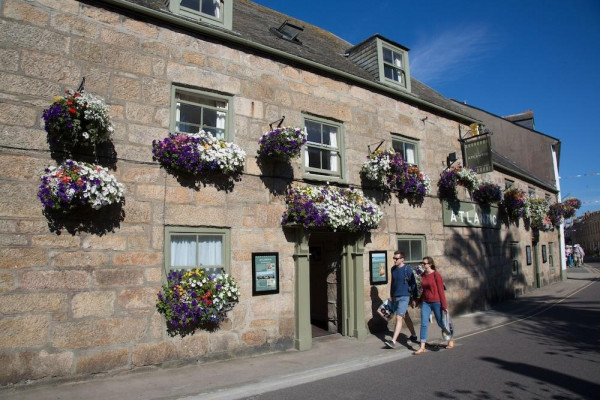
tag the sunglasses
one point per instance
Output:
(397, 258)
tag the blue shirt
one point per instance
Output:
(403, 282)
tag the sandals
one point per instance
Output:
(419, 352)
(450, 345)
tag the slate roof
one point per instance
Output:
(252, 21)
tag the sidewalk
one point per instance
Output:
(329, 356)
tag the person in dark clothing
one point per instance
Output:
(403, 286)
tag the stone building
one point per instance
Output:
(585, 231)
(78, 297)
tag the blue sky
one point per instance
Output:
(505, 57)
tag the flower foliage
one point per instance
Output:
(198, 153)
(328, 207)
(487, 193)
(514, 202)
(390, 172)
(454, 176)
(571, 204)
(537, 212)
(283, 142)
(77, 117)
(419, 271)
(556, 213)
(74, 184)
(194, 299)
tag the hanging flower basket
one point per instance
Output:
(74, 184)
(333, 208)
(513, 203)
(556, 213)
(536, 210)
(198, 153)
(387, 170)
(487, 193)
(571, 204)
(283, 143)
(454, 176)
(193, 300)
(77, 118)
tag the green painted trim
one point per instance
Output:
(313, 173)
(225, 21)
(302, 331)
(381, 44)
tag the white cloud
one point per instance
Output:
(450, 55)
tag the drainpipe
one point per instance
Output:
(561, 228)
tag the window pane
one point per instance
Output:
(404, 245)
(416, 250)
(397, 59)
(210, 250)
(326, 159)
(314, 131)
(211, 7)
(183, 251)
(314, 157)
(330, 135)
(193, 4)
(387, 56)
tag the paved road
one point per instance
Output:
(553, 354)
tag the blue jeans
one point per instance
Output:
(426, 309)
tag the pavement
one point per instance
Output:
(329, 356)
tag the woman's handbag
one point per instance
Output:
(448, 331)
(387, 309)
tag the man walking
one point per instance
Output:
(403, 285)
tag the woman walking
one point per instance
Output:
(432, 299)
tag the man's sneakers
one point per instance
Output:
(390, 343)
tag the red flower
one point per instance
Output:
(72, 110)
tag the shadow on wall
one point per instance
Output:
(485, 261)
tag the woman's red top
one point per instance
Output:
(433, 289)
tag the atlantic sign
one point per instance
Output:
(469, 214)
(478, 154)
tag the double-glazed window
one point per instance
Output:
(413, 247)
(393, 65)
(216, 12)
(323, 154)
(195, 110)
(408, 148)
(207, 248)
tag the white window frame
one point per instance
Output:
(197, 232)
(409, 252)
(225, 127)
(400, 141)
(336, 172)
(224, 19)
(402, 70)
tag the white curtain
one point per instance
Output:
(192, 251)
(333, 158)
(410, 154)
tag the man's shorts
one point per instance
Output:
(401, 304)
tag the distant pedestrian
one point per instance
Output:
(402, 287)
(432, 299)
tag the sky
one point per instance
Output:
(503, 56)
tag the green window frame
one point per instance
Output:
(508, 184)
(407, 147)
(197, 247)
(393, 65)
(214, 12)
(515, 257)
(531, 193)
(193, 110)
(323, 155)
(413, 246)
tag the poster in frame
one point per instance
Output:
(265, 273)
(544, 254)
(528, 254)
(378, 267)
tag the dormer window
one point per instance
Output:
(393, 65)
(216, 12)
(288, 31)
